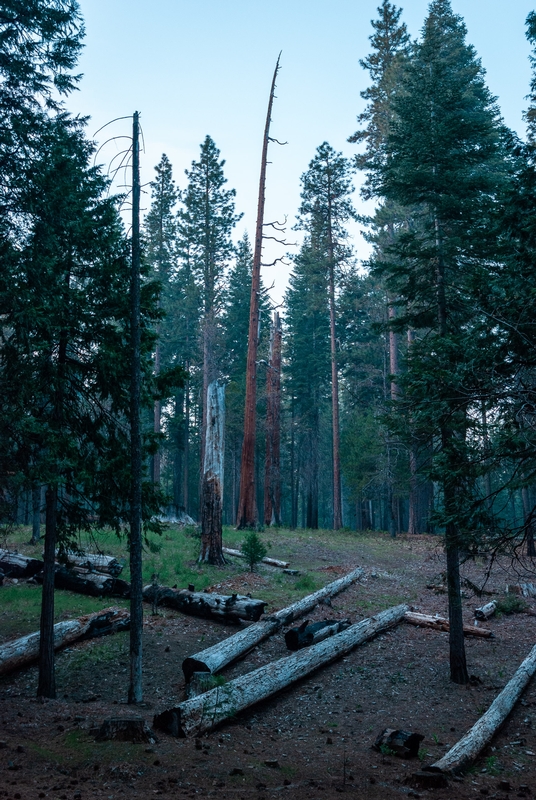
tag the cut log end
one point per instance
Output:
(191, 665)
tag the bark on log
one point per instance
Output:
(401, 743)
(15, 565)
(442, 624)
(213, 659)
(224, 608)
(95, 562)
(273, 562)
(487, 611)
(23, 651)
(212, 485)
(307, 635)
(475, 740)
(94, 584)
(201, 714)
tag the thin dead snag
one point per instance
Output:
(272, 472)
(212, 489)
(247, 507)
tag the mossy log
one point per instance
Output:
(20, 652)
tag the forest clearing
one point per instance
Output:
(314, 737)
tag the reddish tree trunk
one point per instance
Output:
(247, 507)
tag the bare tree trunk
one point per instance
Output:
(47, 679)
(36, 514)
(135, 690)
(212, 493)
(157, 418)
(247, 511)
(337, 499)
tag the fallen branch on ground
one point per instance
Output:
(23, 651)
(200, 714)
(224, 608)
(273, 562)
(475, 740)
(213, 659)
(442, 624)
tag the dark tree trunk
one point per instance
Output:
(36, 514)
(337, 498)
(212, 492)
(135, 690)
(247, 511)
(157, 418)
(272, 472)
(47, 679)
(186, 469)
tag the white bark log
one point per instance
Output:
(202, 713)
(442, 624)
(23, 651)
(95, 562)
(273, 562)
(487, 611)
(213, 659)
(475, 740)
(15, 565)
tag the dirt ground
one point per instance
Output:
(318, 733)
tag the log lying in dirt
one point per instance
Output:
(475, 740)
(213, 659)
(95, 562)
(201, 714)
(442, 624)
(15, 565)
(23, 651)
(85, 582)
(225, 608)
(524, 589)
(273, 562)
(307, 635)
(401, 743)
(487, 611)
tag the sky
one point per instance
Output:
(195, 68)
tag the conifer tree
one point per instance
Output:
(444, 155)
(324, 210)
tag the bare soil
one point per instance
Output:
(317, 735)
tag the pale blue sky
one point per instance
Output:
(197, 68)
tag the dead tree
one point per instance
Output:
(272, 476)
(247, 507)
(212, 488)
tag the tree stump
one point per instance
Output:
(130, 729)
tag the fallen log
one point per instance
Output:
(94, 562)
(273, 562)
(442, 624)
(225, 608)
(23, 651)
(15, 565)
(402, 743)
(480, 735)
(83, 581)
(200, 714)
(487, 611)
(214, 658)
(307, 635)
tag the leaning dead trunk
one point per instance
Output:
(213, 659)
(23, 651)
(212, 491)
(247, 507)
(202, 713)
(471, 745)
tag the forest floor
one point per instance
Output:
(319, 731)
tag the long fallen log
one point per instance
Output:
(224, 608)
(475, 740)
(214, 658)
(23, 651)
(15, 565)
(273, 562)
(200, 714)
(95, 562)
(442, 624)
(84, 581)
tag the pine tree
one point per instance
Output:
(206, 222)
(160, 236)
(324, 210)
(444, 155)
